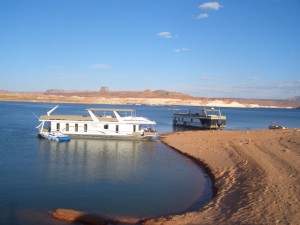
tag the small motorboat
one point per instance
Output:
(55, 136)
(275, 125)
(50, 135)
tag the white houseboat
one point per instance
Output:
(99, 123)
(203, 118)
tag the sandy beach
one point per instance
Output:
(256, 174)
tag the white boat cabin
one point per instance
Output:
(100, 122)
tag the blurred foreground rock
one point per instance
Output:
(75, 216)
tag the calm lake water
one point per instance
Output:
(108, 177)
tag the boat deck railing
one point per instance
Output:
(78, 118)
(202, 112)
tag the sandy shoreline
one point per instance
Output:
(256, 176)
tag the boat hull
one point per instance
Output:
(202, 123)
(113, 137)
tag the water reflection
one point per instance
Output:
(127, 178)
(89, 160)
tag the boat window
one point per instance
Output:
(67, 127)
(85, 127)
(134, 128)
(57, 127)
(76, 127)
(117, 128)
(106, 126)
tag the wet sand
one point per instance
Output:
(256, 175)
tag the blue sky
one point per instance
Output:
(229, 48)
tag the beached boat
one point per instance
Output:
(275, 125)
(99, 123)
(203, 118)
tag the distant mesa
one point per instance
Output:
(294, 98)
(148, 97)
(56, 91)
(162, 93)
(104, 90)
(62, 91)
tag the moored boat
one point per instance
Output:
(99, 123)
(275, 125)
(55, 136)
(203, 118)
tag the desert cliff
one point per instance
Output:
(147, 97)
